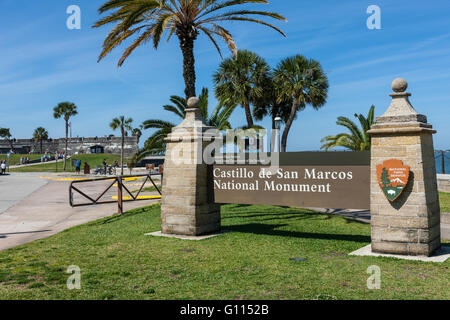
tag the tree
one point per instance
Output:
(269, 106)
(358, 139)
(385, 178)
(137, 132)
(39, 135)
(124, 125)
(299, 81)
(242, 81)
(151, 19)
(65, 110)
(219, 118)
(5, 133)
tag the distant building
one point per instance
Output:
(74, 146)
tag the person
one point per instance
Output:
(87, 168)
(3, 167)
(77, 166)
(104, 165)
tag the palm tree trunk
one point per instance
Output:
(272, 134)
(67, 136)
(288, 126)
(248, 115)
(121, 152)
(187, 48)
(41, 145)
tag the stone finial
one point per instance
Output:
(399, 85)
(400, 110)
(193, 102)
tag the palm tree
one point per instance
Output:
(242, 81)
(150, 19)
(124, 125)
(269, 106)
(299, 81)
(65, 110)
(358, 139)
(219, 118)
(137, 132)
(39, 135)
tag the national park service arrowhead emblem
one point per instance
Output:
(393, 177)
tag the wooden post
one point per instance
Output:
(119, 195)
(443, 161)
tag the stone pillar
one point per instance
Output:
(186, 206)
(410, 225)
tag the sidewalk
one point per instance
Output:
(46, 211)
(364, 216)
(35, 164)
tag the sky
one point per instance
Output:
(43, 63)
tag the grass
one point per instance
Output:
(15, 158)
(251, 262)
(92, 159)
(444, 200)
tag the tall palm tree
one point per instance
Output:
(358, 139)
(299, 81)
(65, 110)
(219, 118)
(124, 125)
(242, 81)
(150, 19)
(39, 135)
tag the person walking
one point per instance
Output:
(104, 166)
(78, 166)
(3, 167)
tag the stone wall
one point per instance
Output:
(75, 145)
(443, 181)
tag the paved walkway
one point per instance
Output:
(364, 216)
(15, 187)
(44, 209)
(36, 163)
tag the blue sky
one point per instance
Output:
(43, 63)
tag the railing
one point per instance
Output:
(442, 155)
(120, 188)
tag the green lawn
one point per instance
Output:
(15, 158)
(444, 200)
(92, 159)
(251, 262)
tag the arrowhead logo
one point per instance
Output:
(393, 177)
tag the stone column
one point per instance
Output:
(186, 206)
(410, 225)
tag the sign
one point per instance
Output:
(393, 177)
(323, 180)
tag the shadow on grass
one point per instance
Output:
(281, 216)
(291, 213)
(116, 217)
(268, 229)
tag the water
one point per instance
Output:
(437, 156)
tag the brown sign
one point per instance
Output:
(323, 186)
(393, 177)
